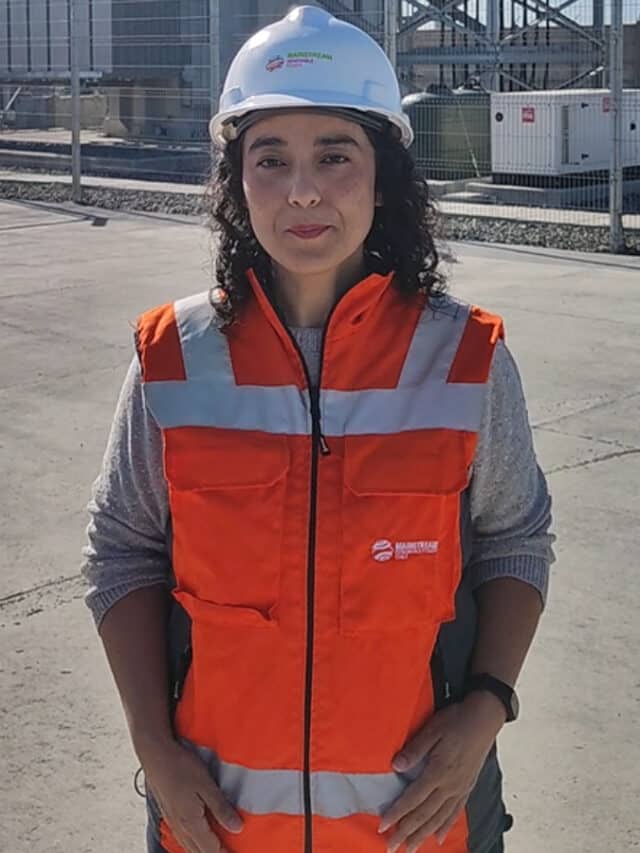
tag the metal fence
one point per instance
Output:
(518, 105)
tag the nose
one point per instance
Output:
(303, 191)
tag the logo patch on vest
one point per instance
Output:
(384, 550)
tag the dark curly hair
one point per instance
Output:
(401, 237)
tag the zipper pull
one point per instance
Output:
(325, 450)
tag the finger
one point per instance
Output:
(220, 807)
(413, 796)
(447, 826)
(184, 840)
(192, 829)
(429, 827)
(188, 844)
(418, 818)
(203, 837)
(177, 827)
(418, 747)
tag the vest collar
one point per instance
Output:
(349, 314)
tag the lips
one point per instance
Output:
(308, 232)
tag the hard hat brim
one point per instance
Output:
(222, 129)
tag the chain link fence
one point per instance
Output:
(511, 99)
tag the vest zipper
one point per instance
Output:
(319, 447)
(311, 577)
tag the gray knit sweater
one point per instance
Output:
(128, 531)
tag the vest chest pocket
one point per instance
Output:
(226, 494)
(401, 530)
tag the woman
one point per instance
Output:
(329, 463)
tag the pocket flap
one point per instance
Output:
(210, 613)
(208, 458)
(425, 462)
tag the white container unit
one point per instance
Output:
(560, 132)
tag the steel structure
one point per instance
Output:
(501, 41)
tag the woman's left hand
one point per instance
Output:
(457, 741)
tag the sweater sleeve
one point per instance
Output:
(509, 499)
(128, 534)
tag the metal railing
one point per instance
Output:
(523, 109)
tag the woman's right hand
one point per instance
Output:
(184, 790)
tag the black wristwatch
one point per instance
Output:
(501, 690)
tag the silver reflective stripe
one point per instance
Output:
(343, 794)
(423, 399)
(208, 403)
(284, 410)
(205, 349)
(433, 405)
(333, 795)
(255, 791)
(210, 397)
(435, 344)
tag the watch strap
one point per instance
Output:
(500, 689)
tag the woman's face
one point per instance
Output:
(309, 182)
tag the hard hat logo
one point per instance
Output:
(308, 55)
(298, 58)
(275, 63)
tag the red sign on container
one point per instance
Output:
(606, 104)
(528, 115)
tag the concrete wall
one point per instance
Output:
(32, 109)
(147, 114)
(43, 107)
(93, 109)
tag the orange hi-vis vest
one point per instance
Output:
(317, 546)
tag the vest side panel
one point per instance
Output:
(384, 334)
(276, 833)
(158, 345)
(239, 553)
(475, 353)
(279, 363)
(360, 833)
(388, 565)
(388, 569)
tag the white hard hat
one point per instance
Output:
(310, 59)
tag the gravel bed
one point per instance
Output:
(552, 235)
(185, 204)
(454, 227)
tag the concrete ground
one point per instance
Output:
(70, 285)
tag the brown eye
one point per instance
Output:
(335, 159)
(270, 163)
